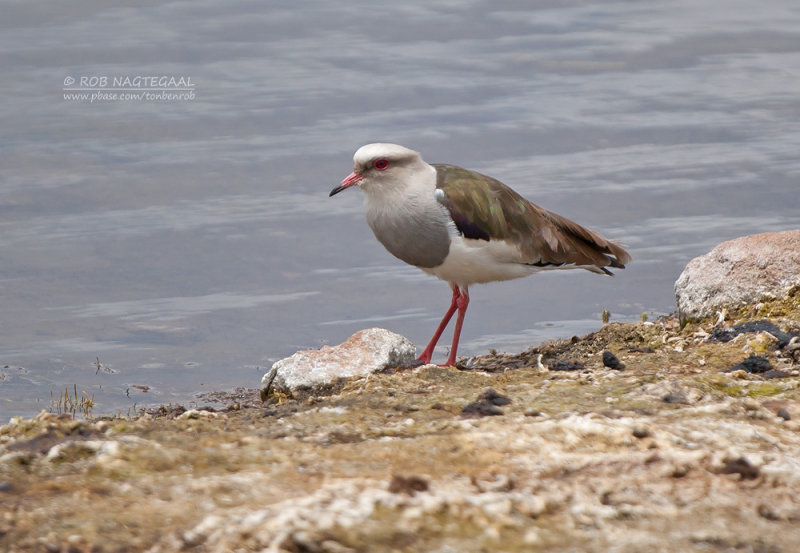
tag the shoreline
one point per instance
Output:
(671, 452)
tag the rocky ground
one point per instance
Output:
(693, 446)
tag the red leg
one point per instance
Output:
(427, 353)
(462, 301)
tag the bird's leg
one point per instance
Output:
(461, 299)
(427, 353)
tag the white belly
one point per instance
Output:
(478, 261)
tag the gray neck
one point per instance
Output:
(409, 222)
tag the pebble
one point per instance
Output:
(486, 405)
(754, 364)
(408, 485)
(566, 366)
(612, 362)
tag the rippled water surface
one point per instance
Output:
(186, 244)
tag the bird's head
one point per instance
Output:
(381, 166)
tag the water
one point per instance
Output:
(184, 245)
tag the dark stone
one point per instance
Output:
(647, 349)
(729, 333)
(486, 405)
(676, 398)
(754, 364)
(740, 466)
(408, 485)
(641, 432)
(566, 366)
(168, 411)
(775, 373)
(610, 360)
(784, 414)
(481, 409)
(493, 397)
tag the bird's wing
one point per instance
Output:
(484, 208)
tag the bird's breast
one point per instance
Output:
(414, 230)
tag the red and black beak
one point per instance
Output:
(351, 180)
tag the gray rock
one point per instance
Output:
(366, 351)
(670, 391)
(739, 272)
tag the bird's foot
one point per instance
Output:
(426, 360)
(451, 362)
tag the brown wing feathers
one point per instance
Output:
(483, 208)
(581, 246)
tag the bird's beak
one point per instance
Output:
(352, 179)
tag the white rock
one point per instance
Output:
(73, 448)
(366, 351)
(739, 272)
(198, 414)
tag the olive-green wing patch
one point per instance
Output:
(484, 208)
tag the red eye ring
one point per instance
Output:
(381, 164)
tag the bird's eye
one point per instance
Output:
(381, 164)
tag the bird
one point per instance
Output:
(466, 228)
